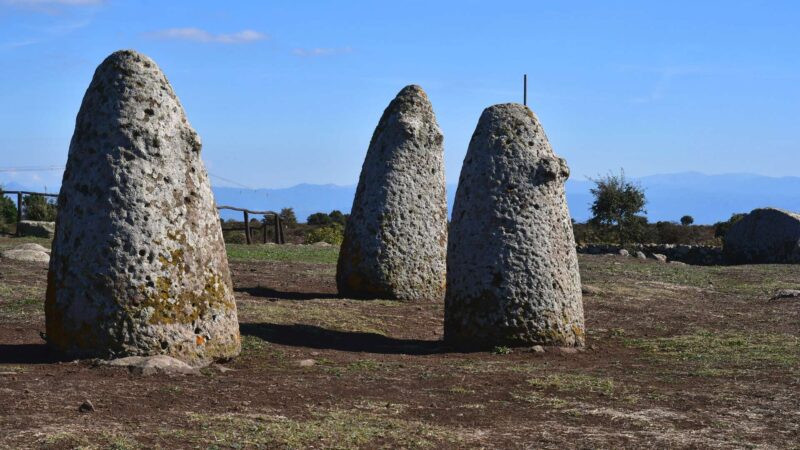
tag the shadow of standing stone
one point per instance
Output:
(395, 241)
(512, 268)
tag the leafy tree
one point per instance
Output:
(337, 217)
(319, 218)
(617, 205)
(721, 228)
(687, 220)
(8, 210)
(288, 217)
(38, 207)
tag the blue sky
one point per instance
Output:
(285, 92)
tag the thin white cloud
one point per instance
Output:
(50, 7)
(666, 76)
(307, 52)
(54, 2)
(203, 36)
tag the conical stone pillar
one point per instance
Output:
(512, 269)
(138, 263)
(395, 241)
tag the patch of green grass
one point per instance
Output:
(334, 429)
(575, 382)
(323, 313)
(20, 302)
(287, 253)
(88, 440)
(631, 277)
(539, 399)
(721, 354)
(10, 242)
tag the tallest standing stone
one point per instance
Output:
(395, 242)
(138, 264)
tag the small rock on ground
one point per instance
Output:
(623, 252)
(86, 407)
(588, 289)
(786, 293)
(306, 362)
(537, 349)
(23, 254)
(149, 365)
(641, 255)
(659, 257)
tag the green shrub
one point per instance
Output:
(332, 234)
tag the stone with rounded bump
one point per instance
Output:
(512, 268)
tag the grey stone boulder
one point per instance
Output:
(151, 365)
(623, 252)
(659, 257)
(765, 235)
(36, 228)
(512, 267)
(395, 241)
(138, 263)
(640, 255)
(27, 252)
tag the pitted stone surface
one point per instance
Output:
(766, 235)
(138, 262)
(512, 269)
(395, 241)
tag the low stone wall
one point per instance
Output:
(705, 255)
(37, 229)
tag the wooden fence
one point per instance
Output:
(21, 194)
(248, 228)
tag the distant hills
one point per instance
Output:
(708, 198)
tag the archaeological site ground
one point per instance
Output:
(676, 356)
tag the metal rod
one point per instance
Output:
(525, 89)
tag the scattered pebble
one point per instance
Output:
(86, 407)
(306, 362)
(537, 349)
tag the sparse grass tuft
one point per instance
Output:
(575, 382)
(334, 429)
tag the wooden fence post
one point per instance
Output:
(264, 231)
(280, 229)
(247, 228)
(19, 211)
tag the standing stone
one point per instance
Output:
(138, 262)
(395, 241)
(764, 236)
(512, 269)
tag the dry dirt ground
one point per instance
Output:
(677, 357)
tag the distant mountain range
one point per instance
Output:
(707, 198)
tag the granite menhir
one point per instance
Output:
(395, 241)
(138, 264)
(512, 268)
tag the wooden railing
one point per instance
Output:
(248, 228)
(20, 194)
